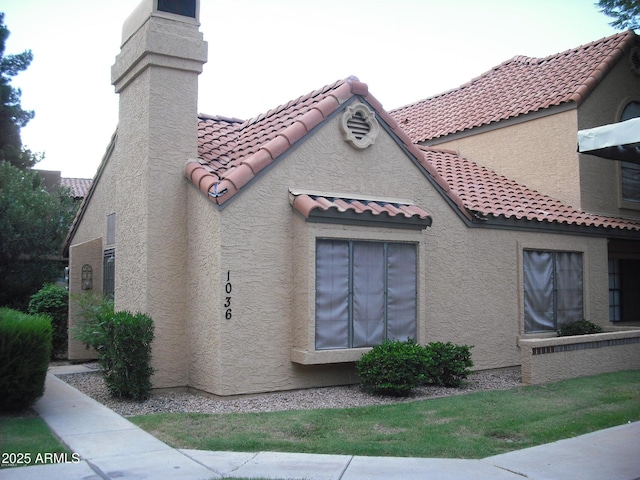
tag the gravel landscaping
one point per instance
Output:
(92, 384)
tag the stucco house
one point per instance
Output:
(272, 252)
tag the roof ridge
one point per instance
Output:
(295, 101)
(220, 118)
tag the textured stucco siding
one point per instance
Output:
(539, 153)
(205, 293)
(599, 177)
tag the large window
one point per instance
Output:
(366, 292)
(553, 289)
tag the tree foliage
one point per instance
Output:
(625, 12)
(12, 116)
(33, 226)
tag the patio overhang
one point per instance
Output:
(616, 141)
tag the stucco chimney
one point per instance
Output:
(156, 77)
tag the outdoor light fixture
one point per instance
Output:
(87, 277)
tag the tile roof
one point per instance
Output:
(516, 87)
(336, 206)
(233, 152)
(490, 196)
(78, 186)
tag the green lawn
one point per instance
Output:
(26, 440)
(467, 426)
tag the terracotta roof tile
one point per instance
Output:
(78, 186)
(489, 195)
(516, 87)
(329, 205)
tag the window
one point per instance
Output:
(624, 289)
(614, 290)
(366, 292)
(630, 172)
(552, 289)
(109, 273)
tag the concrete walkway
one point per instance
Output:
(111, 447)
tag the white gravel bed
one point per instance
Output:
(92, 384)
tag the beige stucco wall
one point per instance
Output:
(600, 178)
(539, 153)
(469, 285)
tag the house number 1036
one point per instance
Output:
(227, 299)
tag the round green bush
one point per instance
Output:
(393, 368)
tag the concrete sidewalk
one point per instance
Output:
(111, 447)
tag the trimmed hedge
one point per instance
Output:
(396, 367)
(25, 348)
(53, 301)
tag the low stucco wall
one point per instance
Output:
(558, 358)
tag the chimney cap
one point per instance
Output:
(185, 10)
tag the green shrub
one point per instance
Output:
(128, 355)
(392, 368)
(448, 364)
(123, 342)
(579, 327)
(53, 301)
(25, 348)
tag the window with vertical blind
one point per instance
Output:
(366, 292)
(553, 289)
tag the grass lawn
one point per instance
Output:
(476, 425)
(29, 438)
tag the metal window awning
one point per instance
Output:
(617, 141)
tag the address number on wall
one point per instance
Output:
(227, 299)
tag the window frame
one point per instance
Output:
(529, 321)
(351, 297)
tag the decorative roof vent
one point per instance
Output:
(359, 126)
(634, 57)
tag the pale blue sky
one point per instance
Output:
(265, 53)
